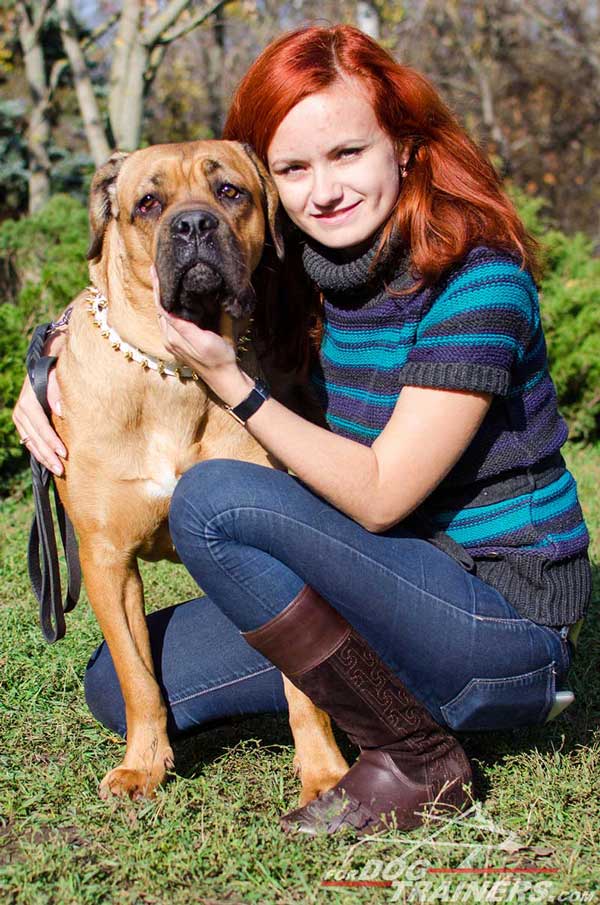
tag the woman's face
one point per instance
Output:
(336, 170)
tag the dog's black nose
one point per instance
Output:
(191, 225)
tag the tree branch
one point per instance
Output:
(162, 21)
(99, 31)
(55, 73)
(546, 21)
(193, 23)
(39, 19)
(156, 57)
(31, 22)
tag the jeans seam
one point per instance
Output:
(388, 571)
(198, 694)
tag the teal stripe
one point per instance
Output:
(555, 488)
(376, 335)
(379, 399)
(477, 300)
(558, 537)
(484, 523)
(383, 359)
(353, 427)
(490, 528)
(540, 497)
(492, 270)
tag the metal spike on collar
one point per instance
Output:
(98, 308)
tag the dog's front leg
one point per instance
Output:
(115, 590)
(318, 760)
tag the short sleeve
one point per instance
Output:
(478, 329)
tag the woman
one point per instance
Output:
(424, 274)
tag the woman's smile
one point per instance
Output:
(337, 216)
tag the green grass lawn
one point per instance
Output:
(211, 835)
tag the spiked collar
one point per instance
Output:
(98, 308)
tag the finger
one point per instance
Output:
(34, 427)
(45, 445)
(44, 454)
(53, 393)
(48, 461)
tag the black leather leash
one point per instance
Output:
(42, 552)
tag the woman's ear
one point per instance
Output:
(405, 149)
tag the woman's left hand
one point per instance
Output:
(207, 353)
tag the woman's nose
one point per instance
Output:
(326, 187)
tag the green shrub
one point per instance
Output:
(13, 345)
(43, 262)
(570, 306)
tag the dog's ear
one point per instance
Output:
(103, 203)
(272, 200)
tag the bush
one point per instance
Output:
(45, 258)
(570, 306)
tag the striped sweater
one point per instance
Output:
(510, 496)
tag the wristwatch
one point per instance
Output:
(244, 409)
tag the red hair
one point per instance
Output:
(451, 198)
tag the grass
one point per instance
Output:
(211, 835)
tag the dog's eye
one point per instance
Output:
(148, 204)
(228, 191)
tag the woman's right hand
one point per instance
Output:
(33, 426)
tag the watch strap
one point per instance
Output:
(253, 401)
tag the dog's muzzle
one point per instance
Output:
(201, 269)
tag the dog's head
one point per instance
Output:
(198, 211)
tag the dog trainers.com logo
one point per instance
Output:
(417, 873)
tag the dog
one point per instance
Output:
(134, 422)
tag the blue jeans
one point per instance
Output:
(252, 537)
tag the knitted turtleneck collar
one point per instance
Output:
(357, 283)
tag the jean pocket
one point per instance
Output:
(504, 703)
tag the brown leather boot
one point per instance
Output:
(407, 760)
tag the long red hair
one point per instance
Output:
(451, 198)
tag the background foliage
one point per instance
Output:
(500, 64)
(42, 266)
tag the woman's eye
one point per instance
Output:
(349, 152)
(147, 204)
(290, 170)
(228, 191)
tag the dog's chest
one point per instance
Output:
(163, 485)
(162, 467)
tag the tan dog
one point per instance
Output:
(197, 212)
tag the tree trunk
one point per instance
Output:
(88, 103)
(127, 129)
(122, 89)
(38, 133)
(215, 60)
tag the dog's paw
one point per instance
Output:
(126, 783)
(316, 782)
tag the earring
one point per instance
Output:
(403, 172)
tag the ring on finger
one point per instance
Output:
(24, 440)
